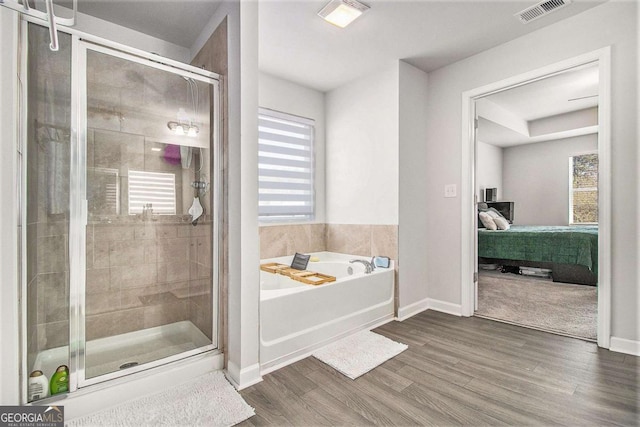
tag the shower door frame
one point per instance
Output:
(78, 214)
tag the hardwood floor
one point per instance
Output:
(459, 371)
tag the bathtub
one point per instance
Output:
(296, 319)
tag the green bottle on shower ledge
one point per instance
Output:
(60, 380)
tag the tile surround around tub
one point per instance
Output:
(281, 240)
(356, 239)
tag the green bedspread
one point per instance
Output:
(562, 245)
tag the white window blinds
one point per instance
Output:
(285, 167)
(152, 190)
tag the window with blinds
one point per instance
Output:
(153, 190)
(583, 193)
(285, 167)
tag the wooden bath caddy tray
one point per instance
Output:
(272, 267)
(304, 276)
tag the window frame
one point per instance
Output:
(572, 189)
(292, 217)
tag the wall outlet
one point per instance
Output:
(450, 190)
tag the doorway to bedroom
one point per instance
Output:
(538, 202)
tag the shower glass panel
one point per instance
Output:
(149, 270)
(46, 196)
(120, 201)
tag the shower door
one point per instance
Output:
(146, 209)
(121, 201)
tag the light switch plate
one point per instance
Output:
(450, 190)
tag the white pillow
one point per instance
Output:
(501, 223)
(493, 214)
(487, 221)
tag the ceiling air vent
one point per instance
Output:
(539, 10)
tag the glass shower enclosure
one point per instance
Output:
(121, 201)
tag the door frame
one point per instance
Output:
(603, 58)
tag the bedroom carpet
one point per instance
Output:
(538, 303)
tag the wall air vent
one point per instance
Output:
(541, 9)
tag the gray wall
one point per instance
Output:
(536, 179)
(362, 150)
(489, 170)
(616, 26)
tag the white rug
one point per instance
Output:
(359, 353)
(206, 401)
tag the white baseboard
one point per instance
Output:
(412, 309)
(243, 378)
(622, 345)
(428, 304)
(444, 307)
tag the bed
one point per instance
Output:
(571, 252)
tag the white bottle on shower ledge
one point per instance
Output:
(38, 386)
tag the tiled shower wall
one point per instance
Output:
(214, 56)
(356, 239)
(146, 274)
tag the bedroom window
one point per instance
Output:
(285, 167)
(583, 192)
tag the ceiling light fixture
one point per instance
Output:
(342, 12)
(185, 123)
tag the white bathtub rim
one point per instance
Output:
(328, 257)
(287, 359)
(267, 294)
(333, 257)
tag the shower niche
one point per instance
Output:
(120, 254)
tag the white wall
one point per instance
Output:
(413, 233)
(9, 322)
(615, 24)
(362, 150)
(288, 97)
(489, 170)
(564, 122)
(536, 179)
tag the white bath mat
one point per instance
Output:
(359, 353)
(207, 401)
